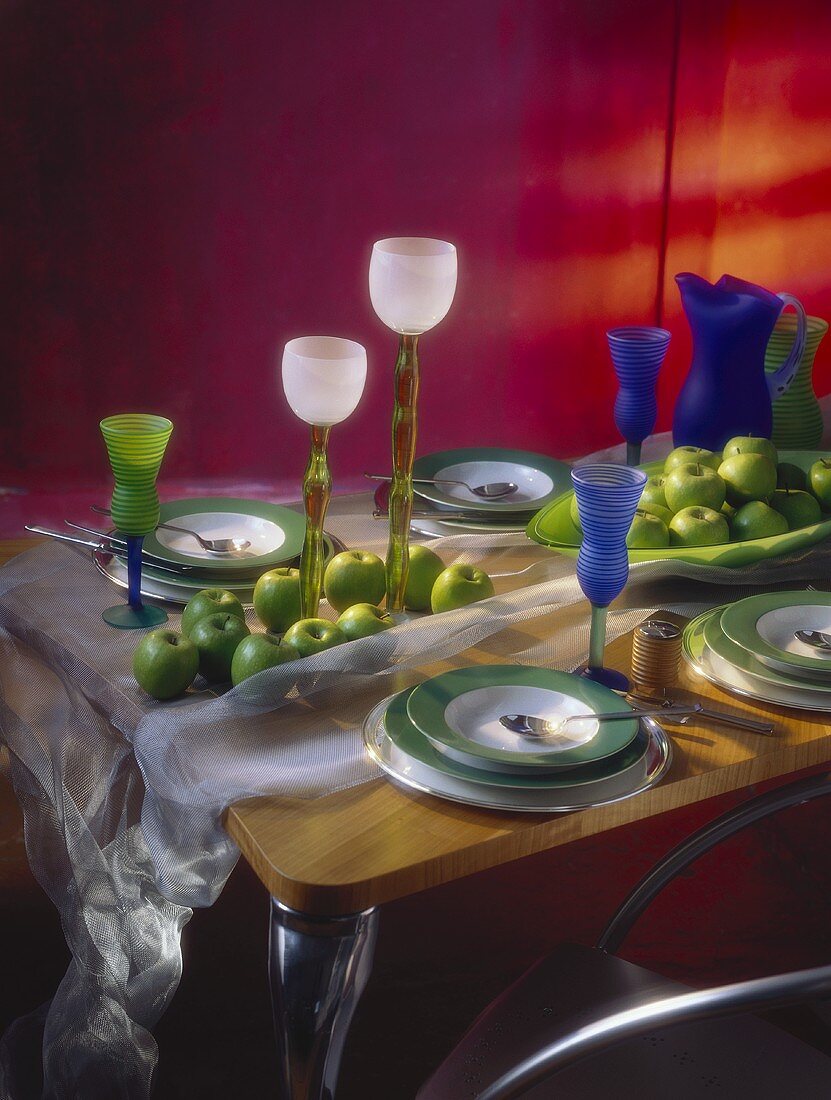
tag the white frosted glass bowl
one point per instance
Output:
(412, 281)
(323, 378)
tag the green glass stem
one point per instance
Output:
(317, 488)
(404, 431)
(597, 636)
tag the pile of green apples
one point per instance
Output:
(215, 640)
(703, 498)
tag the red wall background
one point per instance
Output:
(189, 184)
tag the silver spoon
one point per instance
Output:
(211, 546)
(491, 490)
(815, 638)
(530, 726)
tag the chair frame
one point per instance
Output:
(776, 991)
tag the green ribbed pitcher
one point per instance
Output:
(797, 417)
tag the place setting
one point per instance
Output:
(774, 647)
(487, 490)
(456, 736)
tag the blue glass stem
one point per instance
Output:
(597, 636)
(134, 544)
(633, 454)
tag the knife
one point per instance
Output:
(106, 545)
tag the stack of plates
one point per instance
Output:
(276, 535)
(444, 737)
(539, 479)
(749, 648)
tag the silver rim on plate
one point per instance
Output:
(103, 559)
(660, 747)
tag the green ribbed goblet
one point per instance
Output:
(135, 444)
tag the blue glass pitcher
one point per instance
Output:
(727, 391)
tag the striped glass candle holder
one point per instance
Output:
(637, 354)
(607, 496)
(135, 443)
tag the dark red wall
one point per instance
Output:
(189, 184)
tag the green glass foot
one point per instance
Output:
(125, 617)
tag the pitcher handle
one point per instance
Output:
(779, 380)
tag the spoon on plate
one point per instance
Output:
(491, 490)
(815, 638)
(210, 546)
(538, 728)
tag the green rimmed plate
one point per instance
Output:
(744, 661)
(459, 713)
(726, 675)
(410, 740)
(276, 534)
(539, 479)
(552, 527)
(764, 625)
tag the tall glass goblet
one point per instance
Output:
(135, 443)
(323, 380)
(637, 354)
(412, 281)
(607, 496)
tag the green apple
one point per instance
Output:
(698, 527)
(574, 512)
(653, 491)
(277, 598)
(647, 532)
(217, 637)
(354, 576)
(757, 520)
(693, 486)
(165, 663)
(799, 508)
(727, 510)
(750, 445)
(425, 566)
(682, 456)
(258, 652)
(363, 619)
(819, 479)
(209, 601)
(748, 476)
(459, 585)
(310, 636)
(789, 476)
(656, 510)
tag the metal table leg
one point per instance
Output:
(318, 969)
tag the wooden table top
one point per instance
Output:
(377, 842)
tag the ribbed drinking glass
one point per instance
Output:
(323, 380)
(135, 443)
(637, 352)
(607, 496)
(412, 281)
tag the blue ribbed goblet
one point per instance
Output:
(607, 496)
(637, 354)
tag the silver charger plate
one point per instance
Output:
(417, 776)
(178, 590)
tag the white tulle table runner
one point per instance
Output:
(123, 797)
